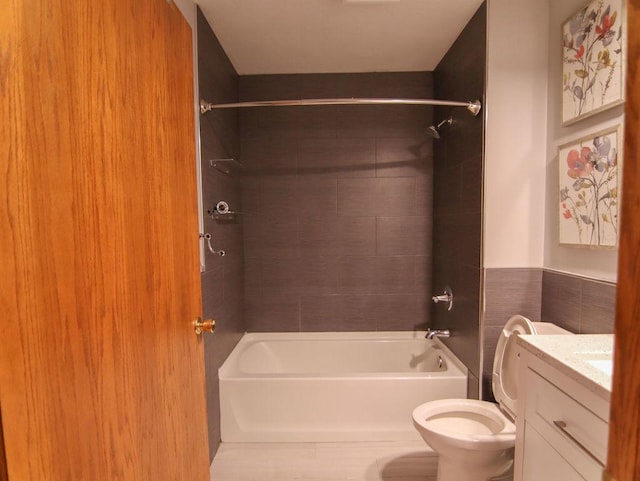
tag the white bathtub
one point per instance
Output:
(315, 387)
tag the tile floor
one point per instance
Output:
(378, 461)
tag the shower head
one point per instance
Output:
(434, 131)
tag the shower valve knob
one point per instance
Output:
(440, 298)
(447, 297)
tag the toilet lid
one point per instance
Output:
(505, 363)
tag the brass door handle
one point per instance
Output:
(199, 326)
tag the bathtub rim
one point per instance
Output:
(229, 372)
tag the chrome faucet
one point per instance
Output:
(431, 333)
(447, 297)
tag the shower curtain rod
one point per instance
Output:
(473, 107)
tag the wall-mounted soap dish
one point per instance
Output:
(227, 166)
(222, 211)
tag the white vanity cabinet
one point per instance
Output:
(562, 422)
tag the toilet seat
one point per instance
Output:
(467, 423)
(504, 379)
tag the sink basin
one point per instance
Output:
(604, 365)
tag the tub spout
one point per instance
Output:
(431, 333)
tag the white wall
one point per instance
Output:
(588, 262)
(515, 139)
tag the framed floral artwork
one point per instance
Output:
(593, 42)
(589, 194)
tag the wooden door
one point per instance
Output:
(623, 463)
(101, 375)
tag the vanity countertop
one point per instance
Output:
(586, 358)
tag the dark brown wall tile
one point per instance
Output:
(267, 87)
(389, 121)
(422, 272)
(358, 312)
(357, 197)
(447, 184)
(275, 157)
(396, 196)
(316, 197)
(274, 310)
(457, 194)
(407, 85)
(399, 157)
(317, 122)
(318, 157)
(319, 275)
(357, 236)
(357, 275)
(401, 312)
(512, 291)
(356, 157)
(283, 123)
(280, 237)
(320, 235)
(252, 232)
(597, 312)
(279, 272)
(376, 196)
(338, 204)
(251, 188)
(424, 193)
(252, 307)
(278, 195)
(561, 300)
(322, 86)
(233, 287)
(319, 313)
(469, 241)
(579, 304)
(403, 236)
(252, 272)
(472, 387)
(396, 275)
(212, 298)
(331, 157)
(361, 121)
(471, 184)
(491, 334)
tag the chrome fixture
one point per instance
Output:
(434, 131)
(447, 296)
(222, 211)
(205, 106)
(472, 106)
(431, 333)
(207, 237)
(222, 207)
(226, 166)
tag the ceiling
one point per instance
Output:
(335, 36)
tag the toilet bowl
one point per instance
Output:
(475, 439)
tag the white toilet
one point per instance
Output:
(475, 439)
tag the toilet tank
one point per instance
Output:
(547, 328)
